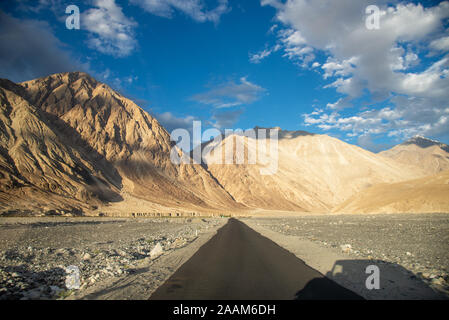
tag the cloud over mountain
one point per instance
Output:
(389, 64)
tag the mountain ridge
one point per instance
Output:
(425, 153)
(71, 142)
(114, 131)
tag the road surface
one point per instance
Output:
(239, 263)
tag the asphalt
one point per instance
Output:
(240, 264)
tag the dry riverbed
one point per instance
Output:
(418, 244)
(36, 252)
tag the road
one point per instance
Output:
(239, 263)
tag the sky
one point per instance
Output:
(322, 66)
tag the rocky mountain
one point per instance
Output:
(425, 195)
(314, 172)
(38, 167)
(71, 143)
(67, 135)
(430, 155)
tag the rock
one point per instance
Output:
(346, 248)
(86, 257)
(437, 281)
(61, 252)
(156, 251)
(33, 294)
(56, 290)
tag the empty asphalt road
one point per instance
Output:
(239, 263)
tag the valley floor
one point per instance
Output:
(114, 255)
(417, 245)
(34, 253)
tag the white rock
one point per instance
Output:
(346, 248)
(72, 280)
(156, 251)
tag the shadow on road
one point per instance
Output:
(395, 282)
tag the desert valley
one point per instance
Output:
(71, 146)
(87, 180)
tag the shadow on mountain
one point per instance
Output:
(425, 143)
(395, 282)
(101, 187)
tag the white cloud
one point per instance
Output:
(375, 61)
(334, 68)
(441, 44)
(409, 116)
(111, 32)
(295, 46)
(195, 9)
(257, 57)
(231, 94)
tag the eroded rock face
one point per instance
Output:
(77, 142)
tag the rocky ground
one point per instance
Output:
(418, 242)
(35, 254)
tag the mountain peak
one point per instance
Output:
(424, 142)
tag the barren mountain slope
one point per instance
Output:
(38, 168)
(430, 155)
(426, 195)
(68, 125)
(315, 173)
(127, 136)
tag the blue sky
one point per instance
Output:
(238, 64)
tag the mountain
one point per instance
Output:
(71, 143)
(56, 127)
(39, 168)
(315, 172)
(430, 155)
(425, 195)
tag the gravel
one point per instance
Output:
(35, 253)
(418, 242)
